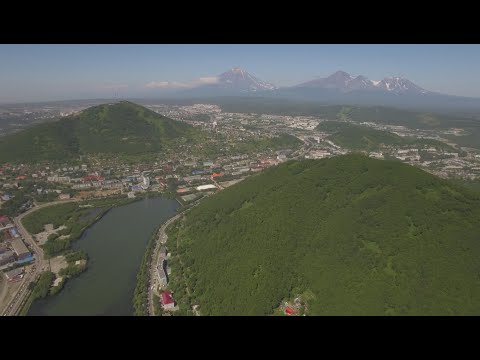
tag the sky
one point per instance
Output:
(62, 72)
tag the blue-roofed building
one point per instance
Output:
(136, 188)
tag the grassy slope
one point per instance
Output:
(124, 128)
(365, 236)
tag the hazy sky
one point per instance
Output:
(56, 72)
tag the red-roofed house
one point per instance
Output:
(289, 311)
(167, 300)
(21, 177)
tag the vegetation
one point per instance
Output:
(362, 138)
(39, 290)
(122, 128)
(363, 236)
(71, 215)
(73, 269)
(57, 215)
(75, 216)
(16, 205)
(43, 285)
(140, 304)
(157, 307)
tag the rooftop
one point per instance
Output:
(19, 247)
(167, 298)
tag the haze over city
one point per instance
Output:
(65, 72)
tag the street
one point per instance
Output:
(40, 264)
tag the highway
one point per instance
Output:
(40, 264)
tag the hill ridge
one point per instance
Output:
(361, 236)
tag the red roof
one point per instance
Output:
(289, 311)
(21, 177)
(167, 298)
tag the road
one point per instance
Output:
(161, 240)
(40, 264)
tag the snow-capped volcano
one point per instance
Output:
(345, 82)
(400, 85)
(240, 79)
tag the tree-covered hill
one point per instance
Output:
(360, 236)
(123, 128)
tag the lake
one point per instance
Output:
(115, 246)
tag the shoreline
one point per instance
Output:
(24, 311)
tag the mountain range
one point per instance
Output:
(338, 88)
(237, 79)
(345, 82)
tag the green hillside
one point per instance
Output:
(359, 236)
(362, 138)
(122, 128)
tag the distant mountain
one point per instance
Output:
(349, 234)
(399, 85)
(342, 88)
(344, 82)
(235, 81)
(121, 128)
(241, 80)
(340, 81)
(339, 88)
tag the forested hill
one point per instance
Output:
(122, 128)
(353, 235)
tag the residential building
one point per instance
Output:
(162, 275)
(163, 251)
(20, 249)
(167, 300)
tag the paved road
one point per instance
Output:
(40, 263)
(161, 240)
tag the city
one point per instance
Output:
(166, 180)
(189, 177)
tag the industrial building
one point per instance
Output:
(20, 249)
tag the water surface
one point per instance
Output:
(115, 246)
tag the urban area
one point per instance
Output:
(187, 174)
